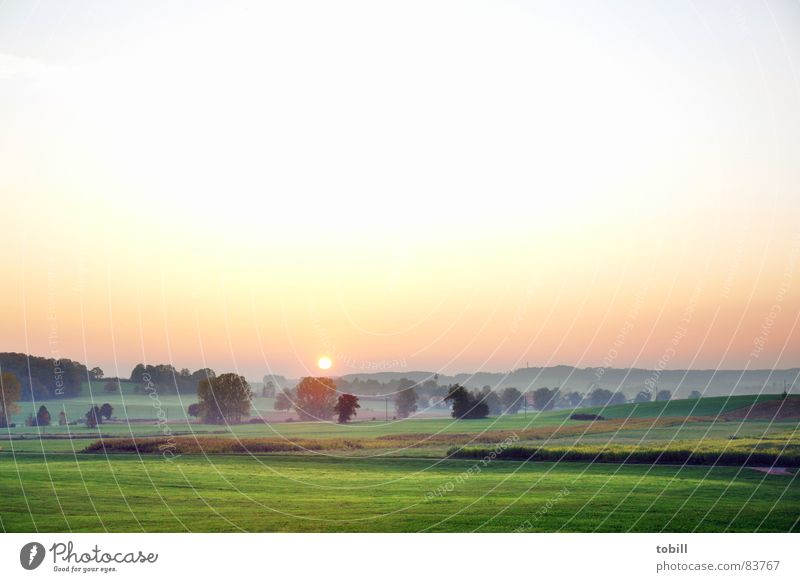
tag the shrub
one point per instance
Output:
(585, 416)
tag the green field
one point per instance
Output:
(285, 493)
(140, 408)
(143, 416)
(403, 482)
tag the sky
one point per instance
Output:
(421, 185)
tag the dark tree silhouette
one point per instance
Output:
(167, 380)
(600, 397)
(106, 410)
(664, 395)
(193, 409)
(571, 399)
(492, 400)
(224, 399)
(93, 417)
(544, 398)
(43, 378)
(643, 396)
(268, 388)
(43, 416)
(283, 400)
(465, 404)
(346, 407)
(315, 398)
(9, 394)
(617, 398)
(512, 400)
(405, 402)
(695, 395)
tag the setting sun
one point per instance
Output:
(324, 363)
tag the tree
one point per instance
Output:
(492, 400)
(110, 386)
(283, 401)
(9, 395)
(62, 418)
(643, 396)
(224, 399)
(43, 416)
(267, 387)
(96, 373)
(193, 410)
(600, 397)
(106, 410)
(93, 417)
(695, 395)
(617, 398)
(200, 375)
(138, 373)
(544, 398)
(346, 407)
(571, 400)
(662, 395)
(405, 402)
(315, 398)
(465, 404)
(512, 400)
(44, 378)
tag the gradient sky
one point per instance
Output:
(451, 186)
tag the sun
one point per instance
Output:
(324, 363)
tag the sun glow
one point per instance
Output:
(324, 363)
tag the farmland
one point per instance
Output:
(283, 493)
(403, 475)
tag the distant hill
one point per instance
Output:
(629, 380)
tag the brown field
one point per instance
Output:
(786, 409)
(215, 445)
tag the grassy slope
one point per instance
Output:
(140, 406)
(305, 494)
(711, 406)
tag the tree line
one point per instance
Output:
(44, 378)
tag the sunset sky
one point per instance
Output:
(416, 185)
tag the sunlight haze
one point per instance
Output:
(450, 186)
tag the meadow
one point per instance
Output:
(293, 493)
(403, 475)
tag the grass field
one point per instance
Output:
(142, 407)
(137, 406)
(125, 493)
(394, 476)
(778, 449)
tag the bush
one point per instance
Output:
(713, 452)
(584, 416)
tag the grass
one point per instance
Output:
(379, 476)
(197, 444)
(129, 405)
(141, 406)
(710, 406)
(781, 450)
(224, 493)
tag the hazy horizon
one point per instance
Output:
(458, 186)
